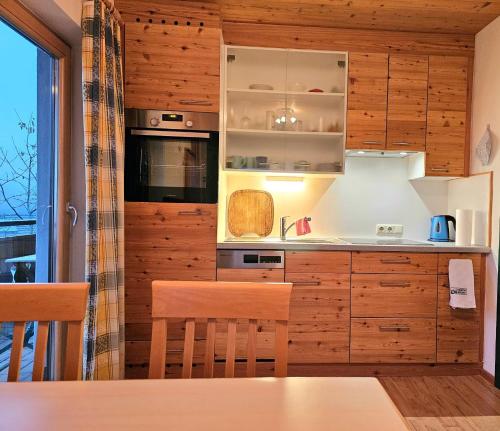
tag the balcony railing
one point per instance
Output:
(17, 264)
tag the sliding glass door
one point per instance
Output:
(28, 174)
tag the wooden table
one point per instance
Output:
(261, 404)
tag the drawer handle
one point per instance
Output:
(394, 328)
(395, 284)
(196, 212)
(439, 169)
(401, 143)
(396, 261)
(195, 102)
(307, 283)
(372, 142)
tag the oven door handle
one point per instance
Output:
(169, 133)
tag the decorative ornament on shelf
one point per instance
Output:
(483, 149)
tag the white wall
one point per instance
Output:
(372, 191)
(486, 110)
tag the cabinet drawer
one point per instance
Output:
(444, 259)
(458, 331)
(267, 275)
(394, 262)
(318, 261)
(393, 340)
(393, 295)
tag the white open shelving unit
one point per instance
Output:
(312, 138)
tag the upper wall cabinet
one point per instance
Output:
(284, 110)
(446, 149)
(407, 102)
(367, 102)
(172, 67)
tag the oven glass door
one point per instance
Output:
(171, 166)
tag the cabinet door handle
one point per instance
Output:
(439, 170)
(394, 328)
(372, 142)
(395, 284)
(196, 212)
(195, 102)
(401, 143)
(396, 261)
(307, 283)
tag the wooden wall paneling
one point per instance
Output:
(367, 101)
(343, 39)
(438, 16)
(171, 67)
(204, 14)
(407, 102)
(447, 116)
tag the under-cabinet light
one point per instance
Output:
(284, 184)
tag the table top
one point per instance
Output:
(264, 404)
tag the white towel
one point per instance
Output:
(461, 277)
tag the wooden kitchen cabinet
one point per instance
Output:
(393, 262)
(172, 67)
(320, 306)
(167, 241)
(393, 295)
(407, 102)
(447, 116)
(393, 340)
(459, 331)
(319, 318)
(265, 329)
(367, 101)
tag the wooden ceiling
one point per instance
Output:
(437, 16)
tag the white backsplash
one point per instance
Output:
(371, 191)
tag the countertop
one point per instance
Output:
(334, 244)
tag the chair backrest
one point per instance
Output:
(218, 300)
(45, 302)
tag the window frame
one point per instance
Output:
(17, 15)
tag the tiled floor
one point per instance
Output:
(458, 403)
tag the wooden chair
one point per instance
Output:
(45, 302)
(218, 300)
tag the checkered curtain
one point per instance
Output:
(104, 141)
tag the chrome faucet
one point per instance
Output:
(284, 229)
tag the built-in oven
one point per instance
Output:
(171, 156)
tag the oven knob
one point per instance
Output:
(154, 121)
(189, 123)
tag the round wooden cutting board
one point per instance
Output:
(250, 212)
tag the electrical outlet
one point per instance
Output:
(389, 229)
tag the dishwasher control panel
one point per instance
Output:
(250, 259)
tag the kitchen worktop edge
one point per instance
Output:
(247, 245)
